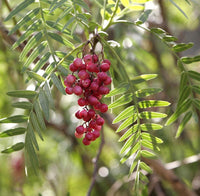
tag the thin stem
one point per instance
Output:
(94, 175)
(112, 16)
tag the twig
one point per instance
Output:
(94, 175)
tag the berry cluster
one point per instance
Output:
(89, 81)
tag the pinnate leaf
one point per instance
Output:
(147, 92)
(15, 147)
(150, 126)
(14, 119)
(22, 94)
(13, 132)
(153, 103)
(150, 115)
(119, 90)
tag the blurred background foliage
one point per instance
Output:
(66, 165)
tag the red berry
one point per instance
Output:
(98, 128)
(103, 108)
(107, 81)
(92, 124)
(92, 67)
(83, 74)
(83, 113)
(87, 118)
(96, 134)
(94, 86)
(97, 106)
(78, 135)
(80, 129)
(77, 114)
(77, 90)
(91, 113)
(78, 62)
(81, 101)
(89, 136)
(87, 58)
(95, 58)
(105, 67)
(85, 141)
(102, 76)
(100, 121)
(70, 79)
(89, 129)
(69, 90)
(103, 90)
(82, 67)
(106, 61)
(86, 83)
(73, 68)
(92, 100)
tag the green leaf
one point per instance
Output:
(143, 178)
(181, 47)
(31, 29)
(143, 78)
(124, 114)
(196, 103)
(30, 132)
(124, 99)
(147, 92)
(44, 103)
(135, 148)
(22, 105)
(129, 132)
(186, 118)
(49, 95)
(13, 132)
(135, 162)
(150, 115)
(184, 80)
(196, 89)
(57, 5)
(184, 94)
(181, 109)
(145, 167)
(158, 30)
(28, 17)
(194, 75)
(188, 60)
(147, 154)
(36, 125)
(19, 8)
(62, 70)
(31, 157)
(119, 90)
(14, 148)
(127, 122)
(63, 14)
(169, 38)
(58, 83)
(35, 76)
(153, 103)
(42, 61)
(151, 138)
(60, 39)
(31, 44)
(39, 115)
(143, 18)
(71, 20)
(14, 119)
(22, 94)
(150, 126)
(36, 52)
(82, 4)
(150, 145)
(59, 28)
(129, 142)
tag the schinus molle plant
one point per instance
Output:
(88, 79)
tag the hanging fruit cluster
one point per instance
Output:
(89, 81)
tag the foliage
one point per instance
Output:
(54, 32)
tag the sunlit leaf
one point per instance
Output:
(182, 46)
(158, 30)
(150, 126)
(188, 60)
(124, 114)
(150, 115)
(119, 90)
(145, 167)
(147, 92)
(127, 122)
(194, 75)
(143, 78)
(169, 38)
(147, 154)
(150, 145)
(124, 99)
(151, 138)
(153, 103)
